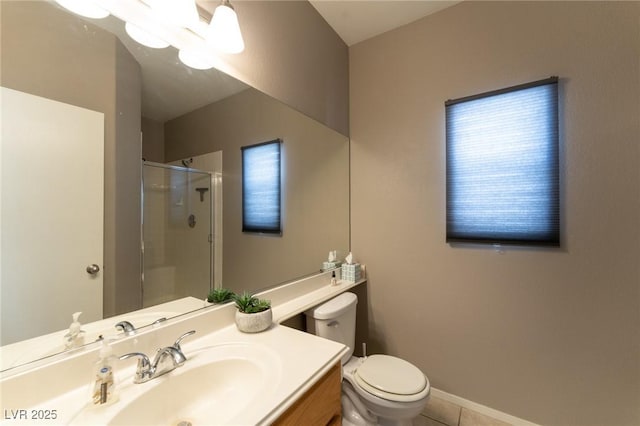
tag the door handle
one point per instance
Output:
(93, 269)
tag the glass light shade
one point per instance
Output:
(85, 8)
(179, 12)
(144, 37)
(224, 31)
(196, 59)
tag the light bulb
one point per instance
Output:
(144, 37)
(196, 58)
(224, 31)
(179, 12)
(85, 8)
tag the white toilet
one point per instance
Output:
(379, 389)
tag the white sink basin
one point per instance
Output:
(215, 385)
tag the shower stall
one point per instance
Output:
(177, 232)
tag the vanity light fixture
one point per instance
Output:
(224, 31)
(178, 23)
(160, 13)
(144, 37)
(196, 58)
(183, 13)
(86, 8)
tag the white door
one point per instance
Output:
(51, 214)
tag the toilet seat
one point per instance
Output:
(391, 378)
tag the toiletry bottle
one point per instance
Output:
(75, 336)
(333, 278)
(103, 385)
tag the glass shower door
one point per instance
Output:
(177, 252)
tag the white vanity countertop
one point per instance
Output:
(302, 358)
(293, 306)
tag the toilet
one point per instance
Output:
(377, 389)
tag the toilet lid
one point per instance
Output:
(390, 377)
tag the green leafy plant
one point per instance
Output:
(220, 295)
(250, 304)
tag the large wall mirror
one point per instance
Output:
(94, 76)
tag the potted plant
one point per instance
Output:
(253, 314)
(220, 295)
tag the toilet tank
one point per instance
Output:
(335, 320)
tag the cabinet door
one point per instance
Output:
(319, 406)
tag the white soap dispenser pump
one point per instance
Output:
(75, 335)
(103, 389)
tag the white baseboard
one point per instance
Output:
(479, 408)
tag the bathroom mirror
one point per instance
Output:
(41, 49)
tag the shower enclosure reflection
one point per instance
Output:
(177, 232)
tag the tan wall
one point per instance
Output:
(127, 176)
(315, 185)
(547, 335)
(49, 53)
(293, 55)
(152, 140)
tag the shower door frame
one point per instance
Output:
(211, 235)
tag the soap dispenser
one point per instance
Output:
(75, 336)
(103, 389)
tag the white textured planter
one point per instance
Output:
(254, 323)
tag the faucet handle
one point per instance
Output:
(177, 343)
(126, 327)
(159, 320)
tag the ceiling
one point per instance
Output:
(358, 20)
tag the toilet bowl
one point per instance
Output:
(378, 389)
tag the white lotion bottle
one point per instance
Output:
(103, 387)
(75, 336)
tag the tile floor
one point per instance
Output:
(439, 412)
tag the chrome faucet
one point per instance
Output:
(126, 327)
(166, 359)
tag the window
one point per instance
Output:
(502, 166)
(261, 188)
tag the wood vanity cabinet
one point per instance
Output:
(319, 406)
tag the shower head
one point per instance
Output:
(186, 163)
